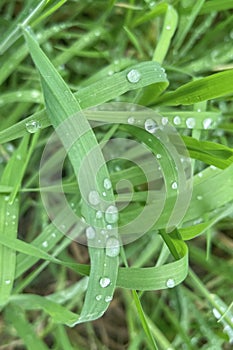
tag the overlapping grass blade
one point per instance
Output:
(9, 208)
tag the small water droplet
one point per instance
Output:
(213, 167)
(131, 120)
(104, 282)
(164, 121)
(200, 174)
(168, 27)
(6, 198)
(7, 282)
(217, 314)
(151, 126)
(99, 214)
(190, 122)
(112, 247)
(90, 232)
(19, 157)
(108, 298)
(207, 123)
(94, 198)
(111, 214)
(174, 185)
(33, 126)
(104, 194)
(19, 94)
(170, 283)
(45, 244)
(53, 235)
(13, 217)
(110, 72)
(35, 94)
(133, 76)
(177, 120)
(199, 198)
(158, 156)
(109, 227)
(107, 184)
(98, 297)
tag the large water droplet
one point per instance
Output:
(112, 247)
(190, 122)
(90, 232)
(177, 120)
(207, 123)
(94, 198)
(151, 126)
(111, 214)
(170, 283)
(107, 184)
(104, 282)
(33, 126)
(134, 76)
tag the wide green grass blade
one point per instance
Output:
(61, 104)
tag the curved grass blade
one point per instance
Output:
(61, 104)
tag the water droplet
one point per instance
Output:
(53, 235)
(33, 126)
(199, 110)
(170, 283)
(111, 214)
(207, 123)
(104, 194)
(150, 126)
(213, 167)
(174, 185)
(217, 314)
(108, 298)
(164, 120)
(19, 94)
(133, 76)
(190, 122)
(90, 232)
(35, 94)
(98, 297)
(131, 120)
(158, 156)
(110, 72)
(7, 282)
(45, 244)
(99, 214)
(107, 184)
(19, 157)
(94, 198)
(13, 217)
(109, 227)
(199, 198)
(112, 247)
(104, 282)
(177, 120)
(200, 174)
(168, 27)
(6, 198)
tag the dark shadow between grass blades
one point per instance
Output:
(137, 138)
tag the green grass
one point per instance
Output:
(171, 288)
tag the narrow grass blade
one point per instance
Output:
(15, 316)
(9, 219)
(213, 86)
